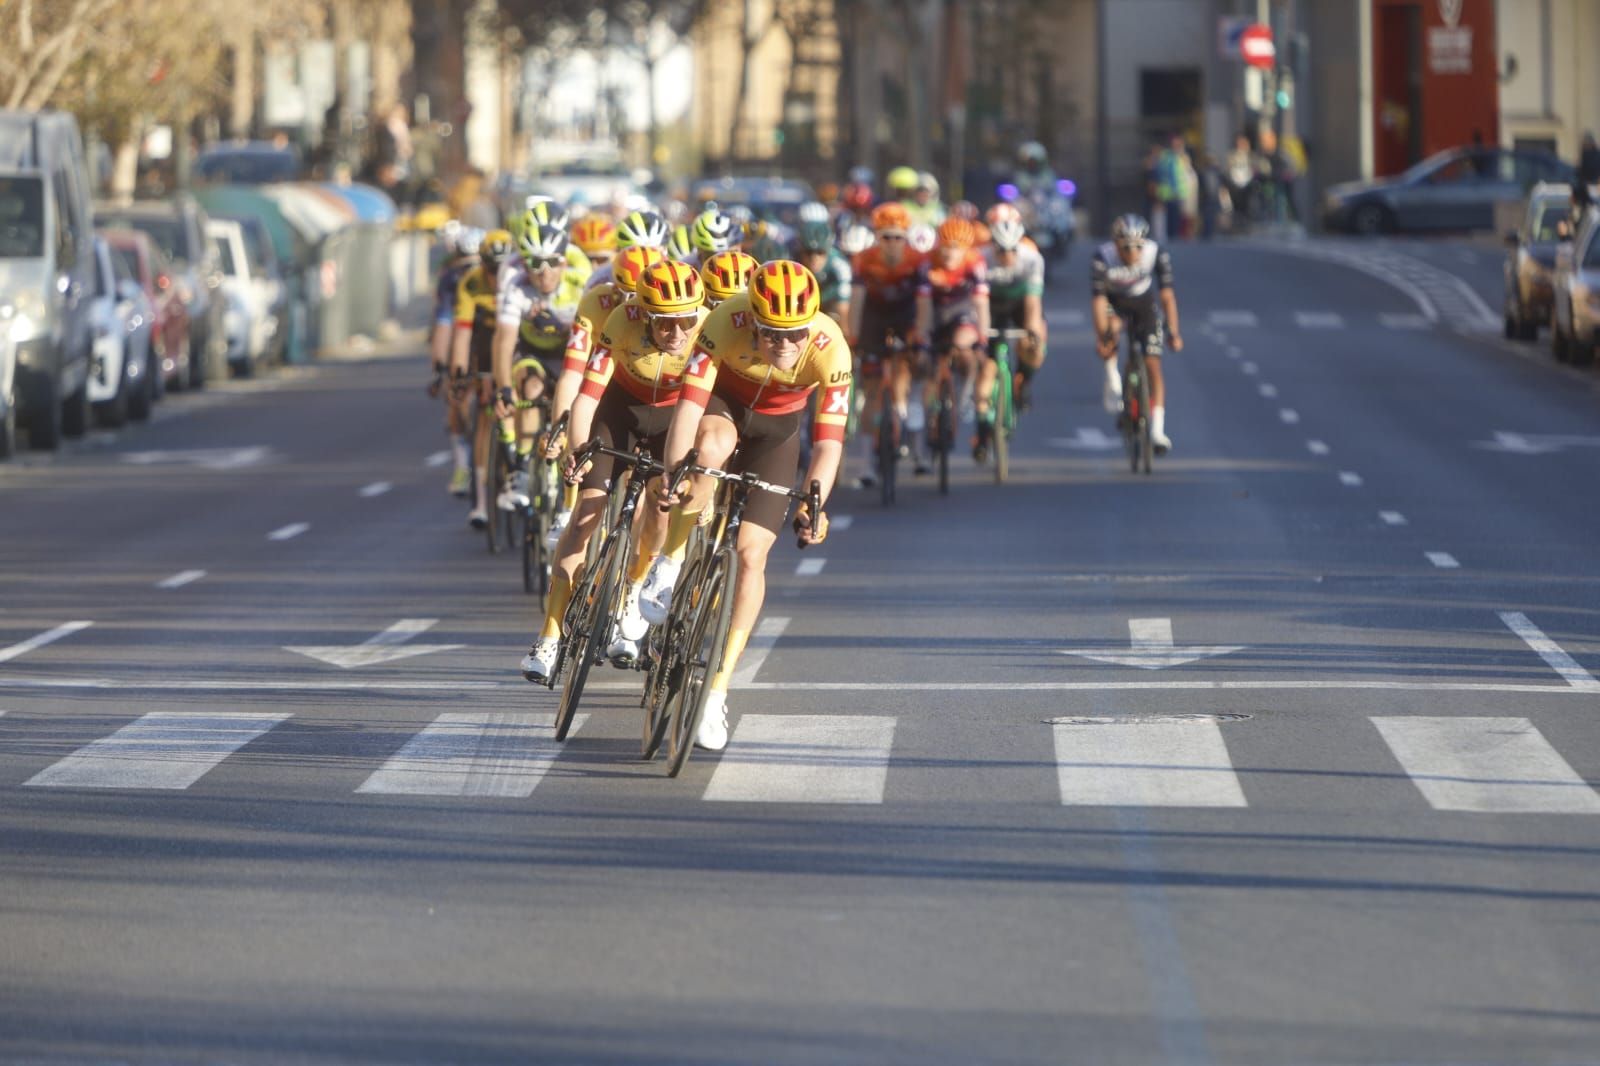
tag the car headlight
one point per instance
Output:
(34, 352)
(24, 317)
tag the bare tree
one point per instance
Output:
(44, 42)
(648, 31)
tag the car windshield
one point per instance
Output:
(1546, 214)
(125, 264)
(224, 255)
(163, 231)
(21, 218)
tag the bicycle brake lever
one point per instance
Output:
(814, 510)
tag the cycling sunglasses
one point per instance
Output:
(678, 323)
(773, 335)
(548, 263)
(891, 235)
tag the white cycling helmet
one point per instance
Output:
(642, 228)
(813, 211)
(922, 238)
(926, 181)
(1006, 233)
(855, 240)
(468, 240)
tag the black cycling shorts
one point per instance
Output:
(621, 422)
(1147, 327)
(877, 326)
(769, 448)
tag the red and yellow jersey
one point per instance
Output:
(593, 311)
(888, 285)
(626, 355)
(727, 358)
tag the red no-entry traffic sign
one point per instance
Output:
(1256, 47)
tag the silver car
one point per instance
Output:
(1575, 297)
(1531, 259)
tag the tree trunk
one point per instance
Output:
(749, 39)
(650, 61)
(242, 106)
(125, 167)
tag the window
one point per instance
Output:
(1457, 171)
(21, 218)
(66, 230)
(125, 264)
(1544, 216)
(224, 255)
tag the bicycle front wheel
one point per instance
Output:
(707, 639)
(496, 485)
(888, 451)
(944, 427)
(1004, 419)
(666, 672)
(1146, 443)
(591, 624)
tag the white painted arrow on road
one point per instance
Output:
(385, 647)
(1089, 439)
(1150, 648)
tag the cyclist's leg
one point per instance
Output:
(593, 490)
(649, 424)
(483, 440)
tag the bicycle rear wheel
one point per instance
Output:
(491, 503)
(707, 638)
(591, 625)
(1004, 419)
(944, 427)
(666, 672)
(888, 451)
(1146, 442)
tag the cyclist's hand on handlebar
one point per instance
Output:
(1176, 340)
(553, 444)
(437, 383)
(504, 401)
(666, 498)
(571, 472)
(1107, 345)
(802, 524)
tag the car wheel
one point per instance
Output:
(44, 428)
(75, 412)
(1369, 220)
(113, 413)
(8, 427)
(1558, 341)
(1580, 352)
(143, 388)
(1511, 326)
(1528, 330)
(197, 365)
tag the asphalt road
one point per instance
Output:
(1286, 753)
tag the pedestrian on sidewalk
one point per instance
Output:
(1241, 182)
(1212, 194)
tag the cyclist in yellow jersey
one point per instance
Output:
(596, 235)
(630, 384)
(758, 360)
(471, 353)
(725, 275)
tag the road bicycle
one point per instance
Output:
(592, 611)
(1002, 414)
(695, 635)
(1134, 421)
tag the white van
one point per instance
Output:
(46, 272)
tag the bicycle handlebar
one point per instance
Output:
(640, 460)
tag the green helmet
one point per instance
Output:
(679, 246)
(815, 237)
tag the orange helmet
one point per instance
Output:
(668, 287)
(594, 233)
(957, 233)
(631, 262)
(727, 273)
(784, 295)
(891, 216)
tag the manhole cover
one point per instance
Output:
(1148, 719)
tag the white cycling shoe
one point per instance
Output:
(712, 733)
(558, 526)
(1160, 442)
(1111, 396)
(631, 624)
(515, 497)
(622, 651)
(541, 659)
(478, 518)
(655, 597)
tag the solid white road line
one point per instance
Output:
(1392, 518)
(162, 750)
(804, 758)
(1289, 416)
(180, 579)
(1550, 652)
(65, 629)
(1319, 320)
(473, 754)
(1317, 447)
(810, 567)
(437, 459)
(1443, 560)
(289, 532)
(841, 522)
(759, 646)
(1145, 764)
(1223, 319)
(1390, 320)
(1501, 765)
(377, 488)
(1270, 392)
(1350, 479)
(1235, 353)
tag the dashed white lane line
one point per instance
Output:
(377, 488)
(756, 650)
(1235, 353)
(805, 758)
(1250, 368)
(473, 754)
(1350, 479)
(1289, 416)
(49, 636)
(1145, 764)
(1319, 320)
(162, 750)
(1392, 320)
(1269, 391)
(1245, 319)
(1443, 560)
(1551, 652)
(1317, 447)
(180, 579)
(1502, 765)
(1392, 518)
(841, 522)
(437, 459)
(289, 532)
(810, 567)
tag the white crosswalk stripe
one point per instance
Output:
(1501, 765)
(162, 750)
(1145, 764)
(805, 758)
(473, 754)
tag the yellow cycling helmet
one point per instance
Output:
(670, 288)
(679, 246)
(727, 273)
(630, 263)
(595, 233)
(495, 248)
(784, 295)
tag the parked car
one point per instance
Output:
(247, 163)
(8, 395)
(1575, 294)
(137, 258)
(46, 272)
(1452, 190)
(120, 381)
(178, 226)
(251, 320)
(1530, 258)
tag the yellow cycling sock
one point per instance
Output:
(640, 567)
(569, 498)
(525, 447)
(680, 524)
(560, 593)
(730, 659)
